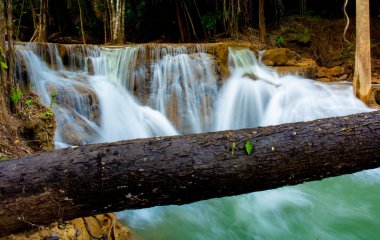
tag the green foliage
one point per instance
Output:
(348, 52)
(29, 102)
(47, 114)
(280, 40)
(210, 21)
(53, 97)
(100, 6)
(16, 95)
(135, 15)
(248, 147)
(3, 63)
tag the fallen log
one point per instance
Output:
(87, 180)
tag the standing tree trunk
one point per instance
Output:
(42, 36)
(262, 28)
(10, 51)
(81, 22)
(34, 15)
(362, 75)
(181, 27)
(3, 73)
(141, 173)
(116, 10)
(302, 7)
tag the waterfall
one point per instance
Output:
(91, 106)
(183, 87)
(106, 94)
(255, 96)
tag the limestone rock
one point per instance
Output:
(103, 226)
(77, 131)
(333, 74)
(306, 72)
(285, 57)
(280, 57)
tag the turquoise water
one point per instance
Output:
(345, 207)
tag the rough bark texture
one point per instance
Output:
(3, 74)
(262, 28)
(91, 179)
(42, 36)
(10, 50)
(81, 22)
(362, 75)
(116, 10)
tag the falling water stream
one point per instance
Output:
(105, 95)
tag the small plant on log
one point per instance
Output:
(248, 147)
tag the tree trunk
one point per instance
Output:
(10, 50)
(81, 22)
(86, 180)
(116, 14)
(262, 28)
(34, 15)
(42, 36)
(362, 75)
(3, 74)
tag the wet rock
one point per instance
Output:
(90, 67)
(199, 58)
(377, 96)
(78, 98)
(306, 72)
(76, 132)
(280, 57)
(333, 74)
(63, 53)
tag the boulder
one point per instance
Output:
(333, 74)
(69, 97)
(285, 57)
(76, 131)
(306, 72)
(280, 57)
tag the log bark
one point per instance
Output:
(86, 180)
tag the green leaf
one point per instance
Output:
(29, 102)
(3, 65)
(233, 147)
(280, 40)
(248, 147)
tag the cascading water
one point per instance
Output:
(95, 104)
(183, 87)
(91, 107)
(271, 99)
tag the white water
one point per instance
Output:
(272, 100)
(183, 87)
(114, 113)
(338, 208)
